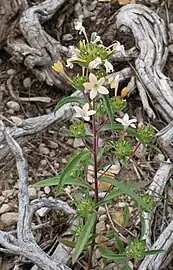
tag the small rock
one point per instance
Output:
(101, 239)
(2, 199)
(1, 61)
(53, 144)
(17, 120)
(10, 111)
(56, 165)
(47, 190)
(78, 143)
(11, 71)
(7, 193)
(70, 142)
(9, 218)
(52, 153)
(97, 253)
(100, 227)
(42, 211)
(92, 6)
(27, 83)
(101, 210)
(159, 158)
(43, 150)
(40, 194)
(5, 208)
(103, 217)
(43, 162)
(13, 105)
(32, 193)
(64, 161)
(155, 2)
(121, 204)
(67, 37)
(170, 47)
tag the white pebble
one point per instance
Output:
(13, 105)
(9, 218)
(47, 190)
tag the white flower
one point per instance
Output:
(79, 27)
(119, 48)
(95, 86)
(95, 63)
(126, 122)
(84, 113)
(109, 67)
(114, 82)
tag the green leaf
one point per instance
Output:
(109, 254)
(83, 237)
(67, 243)
(119, 127)
(126, 267)
(126, 216)
(66, 100)
(113, 194)
(70, 167)
(108, 108)
(125, 189)
(152, 252)
(99, 156)
(55, 181)
(119, 243)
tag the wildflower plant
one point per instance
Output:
(102, 112)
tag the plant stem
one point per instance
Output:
(95, 152)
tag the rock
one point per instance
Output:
(40, 194)
(13, 105)
(78, 143)
(43, 150)
(97, 253)
(7, 193)
(100, 227)
(11, 71)
(16, 120)
(1, 61)
(47, 190)
(103, 218)
(64, 161)
(155, 2)
(101, 239)
(52, 144)
(52, 153)
(67, 37)
(170, 47)
(5, 208)
(2, 198)
(10, 111)
(42, 211)
(32, 193)
(27, 83)
(159, 158)
(101, 210)
(9, 218)
(43, 162)
(70, 142)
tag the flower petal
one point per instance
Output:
(95, 63)
(133, 125)
(101, 81)
(103, 90)
(88, 85)
(93, 93)
(92, 78)
(109, 67)
(78, 109)
(85, 108)
(126, 117)
(91, 112)
(86, 118)
(119, 120)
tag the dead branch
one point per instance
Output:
(24, 243)
(155, 190)
(150, 35)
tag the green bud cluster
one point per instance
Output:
(78, 82)
(136, 249)
(146, 133)
(77, 129)
(85, 207)
(123, 149)
(117, 103)
(148, 203)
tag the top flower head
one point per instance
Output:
(79, 27)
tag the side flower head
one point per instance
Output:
(95, 86)
(84, 113)
(58, 67)
(117, 47)
(114, 82)
(79, 27)
(126, 122)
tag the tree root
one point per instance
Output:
(24, 243)
(150, 35)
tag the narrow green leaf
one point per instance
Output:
(113, 194)
(108, 108)
(83, 237)
(67, 243)
(119, 243)
(126, 216)
(124, 189)
(109, 254)
(143, 227)
(70, 167)
(119, 127)
(126, 267)
(66, 100)
(153, 252)
(55, 181)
